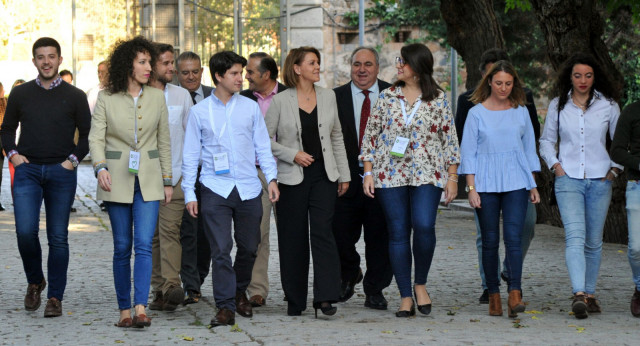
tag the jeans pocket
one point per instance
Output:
(65, 169)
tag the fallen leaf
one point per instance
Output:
(188, 338)
(236, 329)
(534, 317)
(579, 329)
(450, 247)
(474, 320)
(119, 342)
(7, 267)
(571, 313)
(620, 251)
(387, 332)
(451, 313)
(533, 312)
(70, 313)
(572, 326)
(87, 324)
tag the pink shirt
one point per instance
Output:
(265, 102)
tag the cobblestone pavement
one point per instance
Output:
(90, 310)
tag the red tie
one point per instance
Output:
(364, 115)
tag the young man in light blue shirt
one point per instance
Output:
(228, 132)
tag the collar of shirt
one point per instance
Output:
(596, 96)
(270, 95)
(54, 84)
(265, 102)
(357, 91)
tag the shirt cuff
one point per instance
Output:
(11, 153)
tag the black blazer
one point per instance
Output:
(248, 93)
(348, 123)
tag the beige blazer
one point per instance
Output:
(283, 122)
(111, 139)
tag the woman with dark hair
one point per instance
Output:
(312, 171)
(410, 155)
(131, 154)
(583, 111)
(499, 160)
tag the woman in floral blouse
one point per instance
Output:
(410, 154)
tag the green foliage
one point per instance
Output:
(633, 5)
(392, 16)
(523, 5)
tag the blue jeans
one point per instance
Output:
(132, 224)
(513, 205)
(583, 205)
(528, 232)
(404, 208)
(56, 185)
(633, 217)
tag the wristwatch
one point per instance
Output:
(74, 163)
(469, 188)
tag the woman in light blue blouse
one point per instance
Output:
(580, 116)
(499, 159)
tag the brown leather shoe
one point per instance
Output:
(579, 306)
(126, 323)
(243, 307)
(635, 304)
(53, 308)
(32, 298)
(141, 321)
(515, 303)
(224, 317)
(257, 301)
(158, 301)
(593, 305)
(495, 304)
(172, 298)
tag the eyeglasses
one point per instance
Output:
(400, 61)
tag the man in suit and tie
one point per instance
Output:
(196, 254)
(354, 211)
(262, 75)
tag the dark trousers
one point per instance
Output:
(354, 215)
(513, 205)
(217, 213)
(311, 202)
(55, 185)
(196, 253)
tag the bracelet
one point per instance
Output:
(615, 175)
(454, 180)
(367, 173)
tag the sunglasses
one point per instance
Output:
(400, 61)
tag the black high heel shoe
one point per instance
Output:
(325, 307)
(405, 313)
(424, 309)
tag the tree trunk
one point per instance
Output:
(572, 26)
(472, 28)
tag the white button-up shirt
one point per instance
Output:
(239, 131)
(583, 153)
(178, 104)
(358, 100)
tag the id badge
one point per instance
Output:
(399, 146)
(134, 161)
(221, 163)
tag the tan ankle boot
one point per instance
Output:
(515, 303)
(495, 304)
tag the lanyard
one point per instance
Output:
(135, 121)
(407, 119)
(228, 110)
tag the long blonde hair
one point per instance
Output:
(483, 90)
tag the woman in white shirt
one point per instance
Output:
(580, 116)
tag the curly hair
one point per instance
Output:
(120, 61)
(601, 80)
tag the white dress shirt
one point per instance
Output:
(239, 131)
(199, 94)
(92, 96)
(178, 103)
(583, 153)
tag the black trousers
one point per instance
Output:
(196, 253)
(305, 213)
(217, 213)
(352, 214)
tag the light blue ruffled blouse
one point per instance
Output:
(499, 148)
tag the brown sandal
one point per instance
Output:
(126, 323)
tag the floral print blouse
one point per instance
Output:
(432, 148)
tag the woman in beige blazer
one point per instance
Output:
(131, 154)
(312, 172)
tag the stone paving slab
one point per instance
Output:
(90, 310)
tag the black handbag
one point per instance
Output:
(552, 196)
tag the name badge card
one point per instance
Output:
(134, 161)
(221, 163)
(399, 146)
